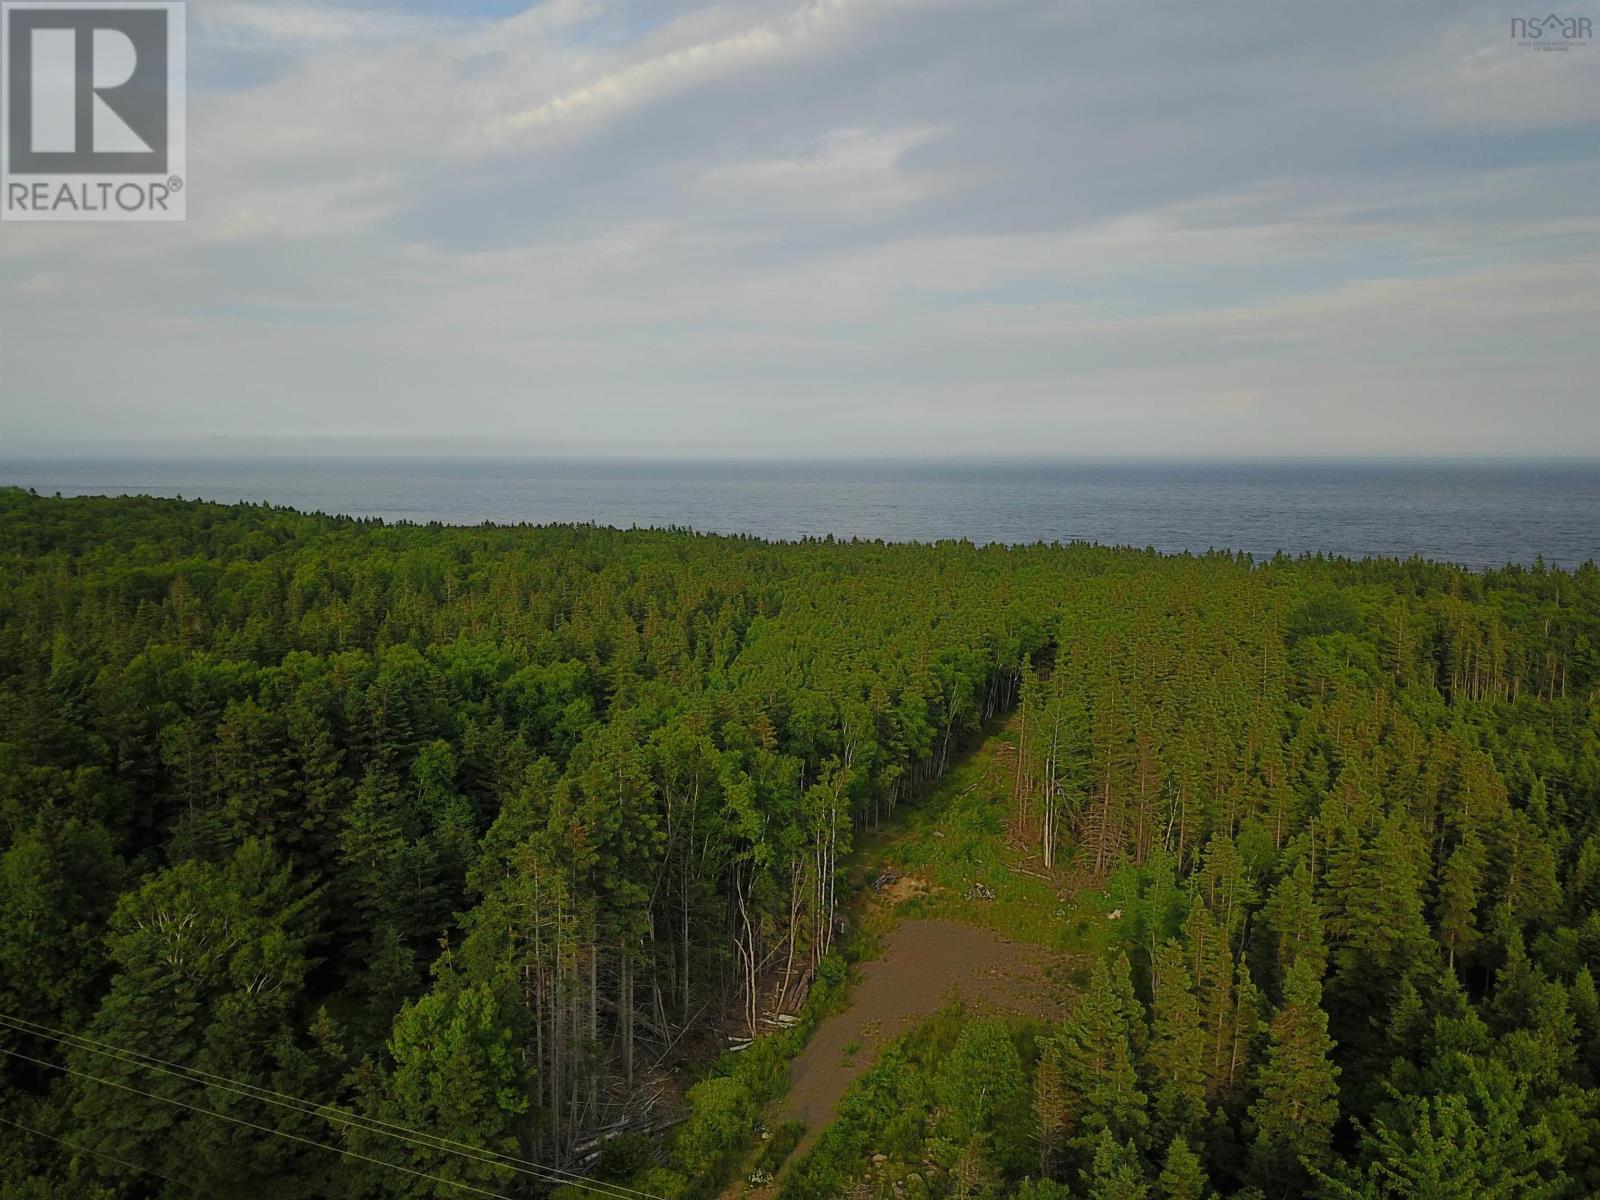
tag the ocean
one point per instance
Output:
(1478, 514)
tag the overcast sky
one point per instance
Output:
(1034, 227)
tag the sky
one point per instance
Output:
(842, 228)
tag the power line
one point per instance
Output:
(97, 1153)
(131, 1059)
(251, 1124)
(545, 1174)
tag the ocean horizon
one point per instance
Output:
(1477, 513)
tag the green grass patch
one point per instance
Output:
(956, 840)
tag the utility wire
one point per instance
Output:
(545, 1174)
(129, 1058)
(97, 1153)
(251, 1124)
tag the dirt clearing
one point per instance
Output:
(921, 962)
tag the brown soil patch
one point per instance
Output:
(922, 962)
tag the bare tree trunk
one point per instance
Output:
(594, 1027)
(625, 1013)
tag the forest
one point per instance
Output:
(348, 859)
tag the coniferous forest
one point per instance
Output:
(342, 859)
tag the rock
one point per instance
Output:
(1114, 915)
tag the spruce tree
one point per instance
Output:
(1177, 1052)
(1182, 1177)
(1298, 1100)
(1294, 917)
(1459, 887)
(1116, 1173)
(1098, 1067)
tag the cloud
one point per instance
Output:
(307, 24)
(912, 225)
(845, 171)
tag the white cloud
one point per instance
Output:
(670, 64)
(302, 24)
(845, 171)
(1005, 223)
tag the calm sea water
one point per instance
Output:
(1477, 514)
